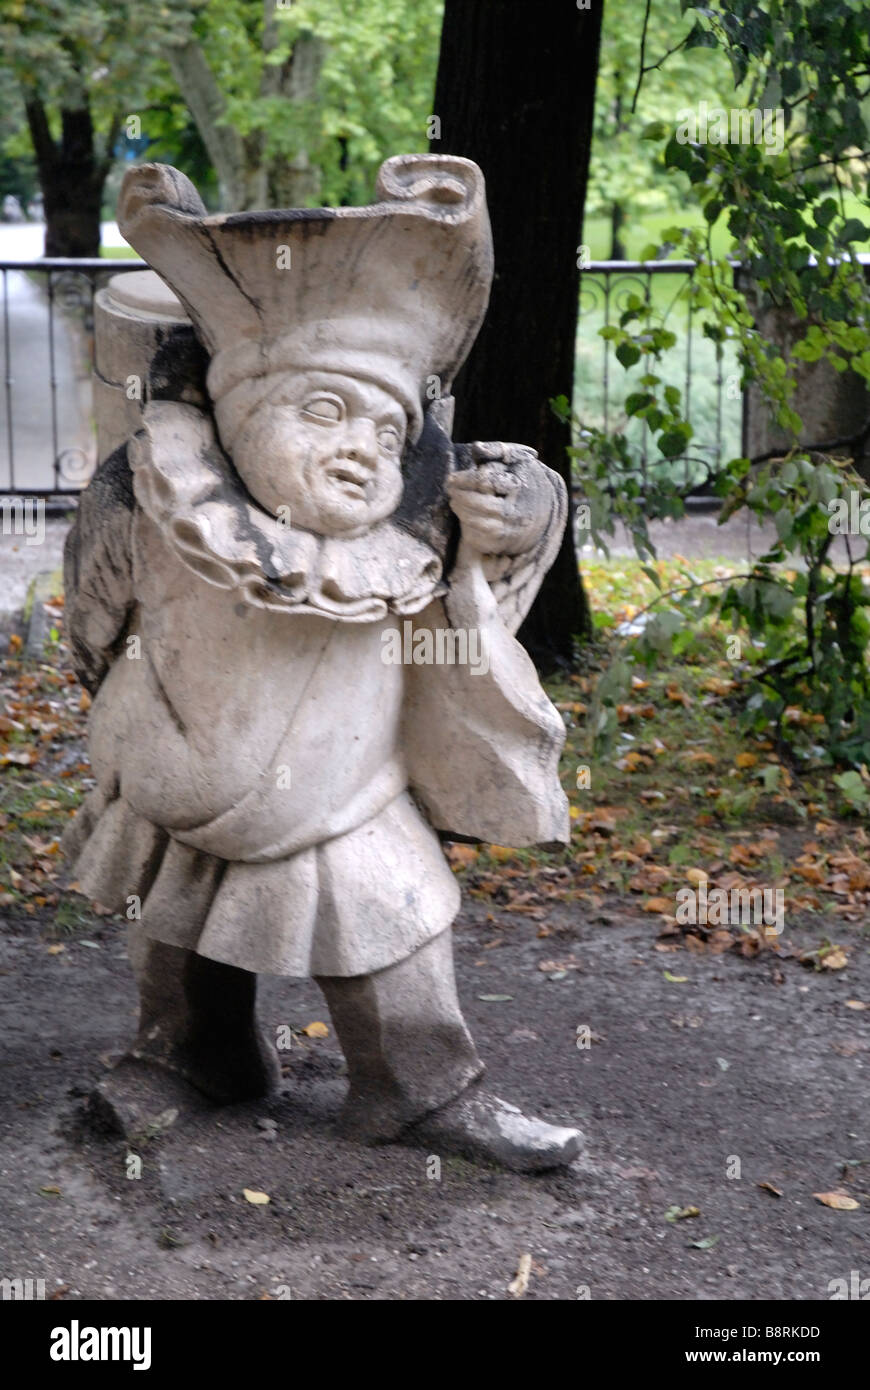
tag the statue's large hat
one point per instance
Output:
(394, 292)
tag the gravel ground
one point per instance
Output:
(754, 1067)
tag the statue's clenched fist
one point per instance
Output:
(503, 502)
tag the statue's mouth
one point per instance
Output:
(351, 481)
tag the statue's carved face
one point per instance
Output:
(327, 446)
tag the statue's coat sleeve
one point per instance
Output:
(482, 745)
(97, 570)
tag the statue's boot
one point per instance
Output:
(198, 1041)
(415, 1073)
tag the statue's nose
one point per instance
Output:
(361, 441)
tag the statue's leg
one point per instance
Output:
(407, 1046)
(414, 1071)
(197, 1029)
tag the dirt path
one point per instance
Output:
(754, 1060)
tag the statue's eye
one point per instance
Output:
(390, 439)
(324, 408)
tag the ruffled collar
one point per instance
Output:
(187, 486)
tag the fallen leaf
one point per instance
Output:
(681, 1213)
(518, 1286)
(746, 760)
(462, 854)
(706, 1244)
(769, 1187)
(53, 1192)
(838, 1200)
(678, 696)
(675, 979)
(856, 1004)
(315, 1030)
(256, 1199)
(495, 998)
(658, 905)
(835, 960)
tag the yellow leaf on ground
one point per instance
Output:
(838, 1200)
(697, 875)
(316, 1030)
(518, 1286)
(835, 960)
(746, 759)
(678, 696)
(462, 854)
(256, 1199)
(658, 905)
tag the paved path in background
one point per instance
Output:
(697, 536)
(20, 563)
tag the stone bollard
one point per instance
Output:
(145, 350)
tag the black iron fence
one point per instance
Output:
(47, 433)
(706, 373)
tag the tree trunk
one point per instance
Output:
(515, 92)
(617, 222)
(246, 177)
(72, 176)
(205, 102)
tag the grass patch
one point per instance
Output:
(683, 796)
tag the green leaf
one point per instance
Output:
(853, 230)
(699, 37)
(679, 155)
(672, 443)
(628, 354)
(651, 574)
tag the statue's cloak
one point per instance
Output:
(340, 873)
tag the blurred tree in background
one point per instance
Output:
(626, 179)
(299, 104)
(74, 73)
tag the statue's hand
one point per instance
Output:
(504, 502)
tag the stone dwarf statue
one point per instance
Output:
(270, 776)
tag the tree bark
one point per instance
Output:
(205, 101)
(72, 176)
(617, 222)
(515, 92)
(247, 178)
(292, 183)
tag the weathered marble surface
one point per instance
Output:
(295, 607)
